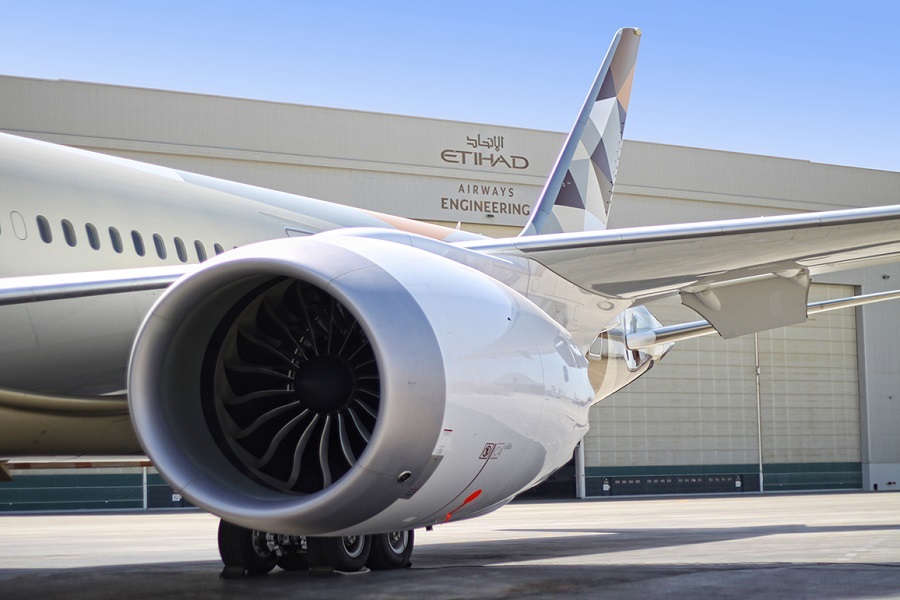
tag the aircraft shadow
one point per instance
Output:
(490, 569)
(596, 541)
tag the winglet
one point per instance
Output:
(578, 192)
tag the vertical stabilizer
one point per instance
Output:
(578, 192)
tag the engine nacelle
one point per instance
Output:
(309, 386)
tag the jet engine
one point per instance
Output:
(310, 386)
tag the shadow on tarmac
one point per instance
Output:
(598, 541)
(471, 570)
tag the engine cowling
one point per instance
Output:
(302, 385)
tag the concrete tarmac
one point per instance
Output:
(844, 545)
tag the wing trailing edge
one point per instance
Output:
(645, 263)
(647, 338)
(742, 275)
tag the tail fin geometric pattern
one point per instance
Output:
(578, 193)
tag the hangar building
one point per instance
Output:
(814, 406)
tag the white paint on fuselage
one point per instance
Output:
(80, 347)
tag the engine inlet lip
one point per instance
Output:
(167, 356)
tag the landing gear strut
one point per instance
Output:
(248, 552)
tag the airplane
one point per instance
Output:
(327, 380)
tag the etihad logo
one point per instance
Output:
(485, 153)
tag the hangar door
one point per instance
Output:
(692, 425)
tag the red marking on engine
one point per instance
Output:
(471, 497)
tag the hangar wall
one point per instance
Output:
(699, 420)
(662, 185)
(419, 168)
(828, 390)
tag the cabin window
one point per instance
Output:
(201, 251)
(138, 242)
(179, 249)
(219, 249)
(18, 225)
(160, 246)
(116, 240)
(69, 233)
(44, 229)
(93, 238)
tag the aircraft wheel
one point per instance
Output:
(391, 550)
(348, 553)
(246, 549)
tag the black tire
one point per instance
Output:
(391, 550)
(245, 548)
(348, 553)
(294, 561)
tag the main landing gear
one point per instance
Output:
(247, 552)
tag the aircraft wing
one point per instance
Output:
(742, 275)
(36, 288)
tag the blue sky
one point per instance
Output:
(811, 80)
